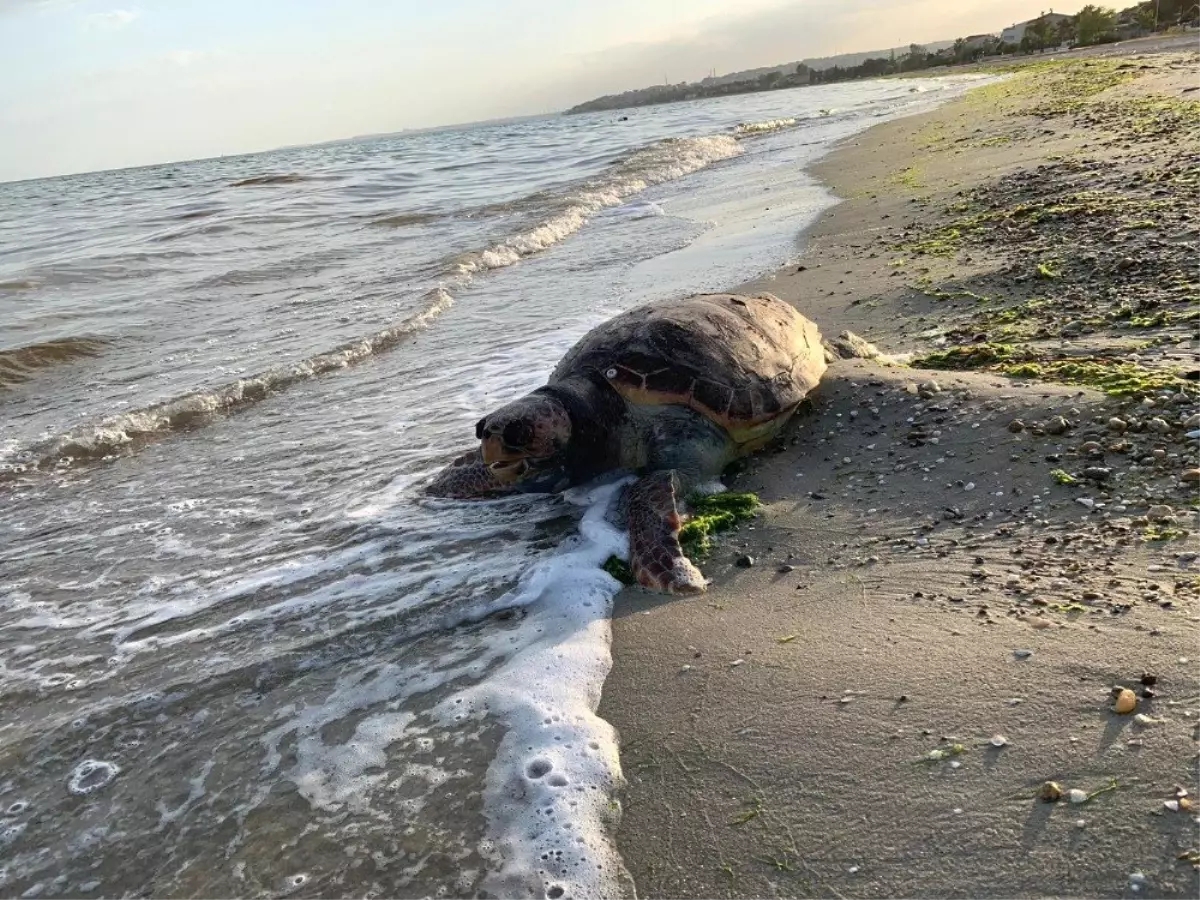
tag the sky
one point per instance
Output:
(99, 84)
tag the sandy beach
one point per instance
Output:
(959, 562)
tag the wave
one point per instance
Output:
(402, 219)
(19, 363)
(665, 160)
(765, 127)
(258, 180)
(20, 284)
(662, 161)
(128, 431)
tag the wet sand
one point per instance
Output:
(933, 625)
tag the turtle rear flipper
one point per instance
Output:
(657, 560)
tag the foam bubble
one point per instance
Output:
(92, 775)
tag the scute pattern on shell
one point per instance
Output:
(741, 361)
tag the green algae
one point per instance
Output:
(1117, 379)
(709, 515)
(1060, 476)
(619, 569)
(971, 356)
(713, 514)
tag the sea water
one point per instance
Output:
(240, 653)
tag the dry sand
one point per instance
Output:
(920, 580)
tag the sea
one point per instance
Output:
(241, 654)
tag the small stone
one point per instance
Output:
(1016, 426)
(998, 740)
(1091, 448)
(1149, 679)
(1050, 792)
(931, 386)
(1080, 823)
(1160, 513)
(1172, 805)
(1144, 720)
(1022, 654)
(736, 663)
(1077, 796)
(1137, 880)
(1117, 425)
(1097, 473)
(1057, 425)
(685, 668)
(745, 561)
(785, 568)
(1159, 425)
(1190, 476)
(1125, 703)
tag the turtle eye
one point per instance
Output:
(479, 428)
(517, 435)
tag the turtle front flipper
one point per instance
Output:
(467, 477)
(655, 556)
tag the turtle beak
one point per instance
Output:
(492, 450)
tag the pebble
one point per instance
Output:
(1016, 426)
(1022, 654)
(736, 663)
(1172, 805)
(1080, 823)
(745, 561)
(999, 740)
(1050, 791)
(1077, 796)
(1117, 425)
(1191, 476)
(1160, 512)
(1091, 448)
(1125, 703)
(1056, 425)
(1137, 881)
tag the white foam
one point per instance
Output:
(549, 794)
(92, 775)
(764, 127)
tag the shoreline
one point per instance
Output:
(934, 621)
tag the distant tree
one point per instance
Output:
(960, 50)
(1039, 34)
(1064, 31)
(1144, 16)
(1095, 25)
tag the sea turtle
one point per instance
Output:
(673, 391)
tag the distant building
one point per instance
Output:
(979, 41)
(1013, 33)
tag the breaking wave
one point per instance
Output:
(765, 127)
(19, 363)
(665, 160)
(130, 430)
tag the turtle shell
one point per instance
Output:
(743, 362)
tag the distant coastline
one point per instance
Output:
(1050, 31)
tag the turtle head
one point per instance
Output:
(522, 443)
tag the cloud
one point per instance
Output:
(111, 20)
